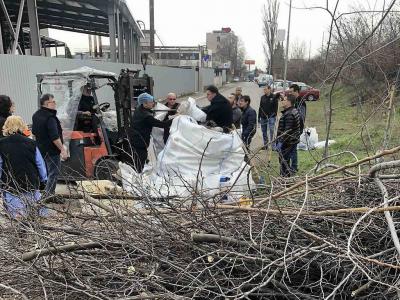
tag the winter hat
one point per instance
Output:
(145, 97)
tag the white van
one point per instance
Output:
(265, 79)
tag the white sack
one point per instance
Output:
(308, 139)
(189, 108)
(194, 159)
(158, 133)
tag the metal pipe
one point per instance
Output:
(112, 35)
(151, 26)
(287, 46)
(34, 27)
(100, 46)
(1, 42)
(90, 45)
(9, 23)
(16, 34)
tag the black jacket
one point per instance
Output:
(143, 122)
(289, 127)
(47, 128)
(20, 173)
(237, 116)
(86, 104)
(268, 106)
(220, 111)
(249, 124)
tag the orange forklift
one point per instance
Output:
(94, 150)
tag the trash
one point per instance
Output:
(194, 159)
(189, 108)
(321, 144)
(309, 140)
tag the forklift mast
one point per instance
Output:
(129, 87)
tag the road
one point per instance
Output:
(248, 88)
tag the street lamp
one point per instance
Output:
(287, 45)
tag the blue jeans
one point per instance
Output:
(287, 157)
(267, 123)
(53, 164)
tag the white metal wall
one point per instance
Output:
(18, 77)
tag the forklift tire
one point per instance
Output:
(105, 169)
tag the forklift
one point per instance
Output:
(94, 152)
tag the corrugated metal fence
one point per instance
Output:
(18, 77)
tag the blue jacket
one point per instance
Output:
(249, 124)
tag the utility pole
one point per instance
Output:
(287, 45)
(151, 26)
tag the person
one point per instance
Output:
(288, 136)
(220, 110)
(249, 120)
(238, 93)
(48, 132)
(143, 122)
(86, 112)
(236, 111)
(171, 104)
(6, 107)
(23, 171)
(267, 114)
(301, 106)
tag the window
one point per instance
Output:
(218, 39)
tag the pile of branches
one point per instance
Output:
(329, 235)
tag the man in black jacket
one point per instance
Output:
(249, 120)
(267, 115)
(288, 136)
(47, 129)
(220, 110)
(143, 122)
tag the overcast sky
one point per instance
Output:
(185, 22)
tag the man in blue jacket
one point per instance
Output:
(249, 120)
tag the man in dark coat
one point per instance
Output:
(288, 136)
(220, 110)
(48, 132)
(249, 120)
(143, 122)
(267, 114)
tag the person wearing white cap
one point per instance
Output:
(143, 122)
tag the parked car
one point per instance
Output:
(236, 79)
(306, 91)
(279, 85)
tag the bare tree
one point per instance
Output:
(270, 27)
(298, 50)
(241, 55)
